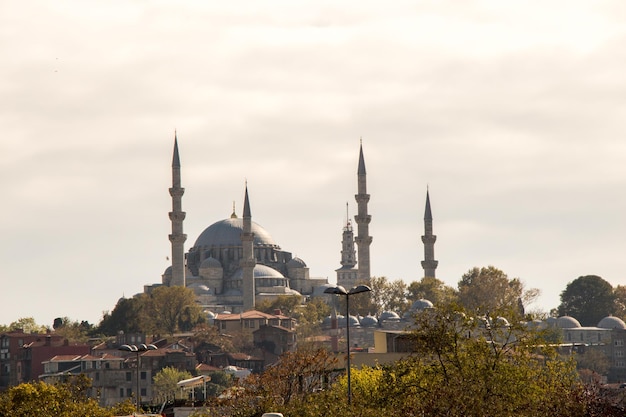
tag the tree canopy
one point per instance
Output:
(487, 290)
(588, 299)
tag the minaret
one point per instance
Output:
(429, 263)
(247, 262)
(363, 239)
(347, 274)
(177, 215)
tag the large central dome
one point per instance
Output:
(228, 233)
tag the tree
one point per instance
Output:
(309, 317)
(433, 290)
(27, 325)
(127, 316)
(385, 296)
(588, 299)
(165, 383)
(487, 290)
(295, 379)
(73, 331)
(38, 399)
(287, 304)
(173, 309)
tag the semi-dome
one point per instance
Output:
(612, 322)
(296, 263)
(260, 271)
(567, 322)
(228, 232)
(210, 262)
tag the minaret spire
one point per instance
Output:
(248, 261)
(177, 215)
(347, 274)
(363, 239)
(429, 263)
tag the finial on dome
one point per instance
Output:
(233, 215)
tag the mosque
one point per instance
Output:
(235, 263)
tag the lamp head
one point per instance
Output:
(336, 290)
(359, 288)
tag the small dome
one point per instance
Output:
(168, 271)
(389, 315)
(369, 321)
(210, 262)
(551, 321)
(210, 315)
(296, 263)
(612, 322)
(501, 322)
(341, 321)
(421, 304)
(567, 322)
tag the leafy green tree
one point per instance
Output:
(164, 383)
(173, 309)
(488, 290)
(386, 295)
(73, 331)
(287, 304)
(27, 324)
(589, 299)
(127, 316)
(433, 290)
(309, 317)
(38, 399)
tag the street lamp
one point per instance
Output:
(137, 350)
(339, 290)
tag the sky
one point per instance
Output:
(512, 114)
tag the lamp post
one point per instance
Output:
(137, 350)
(339, 290)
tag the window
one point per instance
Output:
(121, 392)
(129, 392)
(128, 376)
(143, 375)
(619, 363)
(97, 376)
(619, 353)
(143, 392)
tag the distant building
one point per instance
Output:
(234, 262)
(22, 355)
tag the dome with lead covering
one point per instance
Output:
(228, 232)
(567, 322)
(210, 262)
(296, 263)
(612, 322)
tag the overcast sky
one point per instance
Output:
(512, 113)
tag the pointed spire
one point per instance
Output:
(175, 159)
(361, 170)
(246, 204)
(427, 213)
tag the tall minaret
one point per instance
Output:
(363, 239)
(247, 262)
(347, 274)
(429, 263)
(177, 215)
